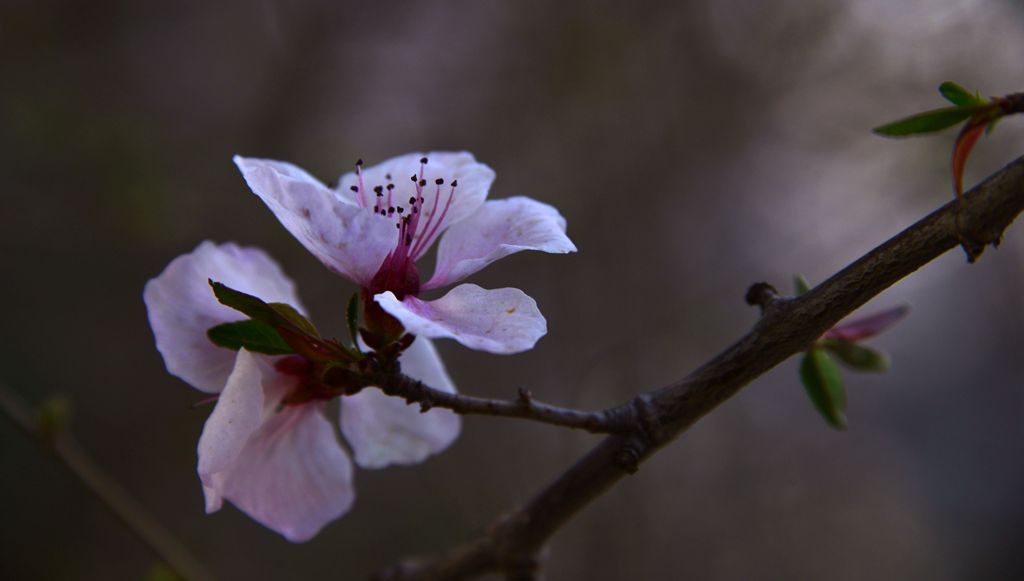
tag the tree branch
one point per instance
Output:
(58, 442)
(787, 327)
(612, 420)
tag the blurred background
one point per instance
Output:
(694, 147)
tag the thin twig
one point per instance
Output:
(786, 327)
(612, 420)
(58, 442)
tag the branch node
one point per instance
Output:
(974, 248)
(762, 294)
(524, 398)
(628, 458)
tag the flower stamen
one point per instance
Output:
(426, 239)
(359, 189)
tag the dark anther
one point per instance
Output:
(423, 183)
(391, 187)
(400, 209)
(455, 183)
(391, 210)
(378, 189)
(439, 181)
(412, 201)
(423, 160)
(376, 210)
(380, 194)
(387, 176)
(359, 162)
(413, 177)
(354, 188)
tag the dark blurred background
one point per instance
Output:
(694, 147)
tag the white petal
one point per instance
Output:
(503, 320)
(288, 471)
(236, 416)
(474, 179)
(497, 229)
(384, 430)
(181, 307)
(348, 239)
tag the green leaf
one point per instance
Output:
(800, 284)
(352, 318)
(277, 315)
(243, 303)
(255, 336)
(289, 312)
(958, 95)
(929, 121)
(824, 386)
(858, 357)
(293, 328)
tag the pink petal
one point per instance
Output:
(384, 430)
(345, 237)
(497, 229)
(182, 307)
(286, 470)
(236, 416)
(503, 320)
(869, 326)
(474, 182)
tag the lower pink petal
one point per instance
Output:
(385, 430)
(284, 468)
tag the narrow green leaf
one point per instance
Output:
(277, 315)
(289, 312)
(352, 318)
(243, 303)
(293, 328)
(824, 385)
(800, 284)
(929, 121)
(960, 96)
(858, 357)
(255, 336)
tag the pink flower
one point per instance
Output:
(380, 220)
(280, 464)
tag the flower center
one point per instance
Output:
(417, 221)
(314, 382)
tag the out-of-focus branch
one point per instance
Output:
(787, 326)
(58, 442)
(613, 420)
